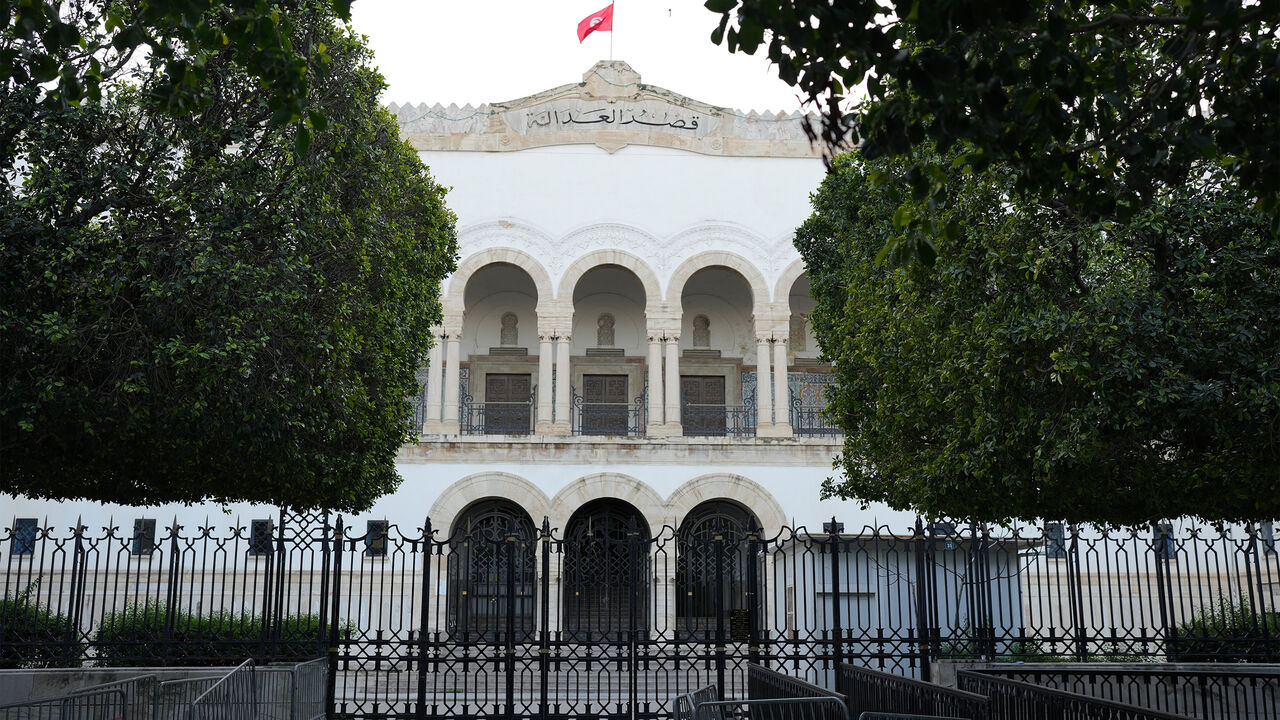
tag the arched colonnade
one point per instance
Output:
(614, 303)
(604, 542)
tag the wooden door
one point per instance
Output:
(702, 404)
(507, 403)
(605, 404)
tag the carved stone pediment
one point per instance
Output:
(610, 108)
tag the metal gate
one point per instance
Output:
(609, 618)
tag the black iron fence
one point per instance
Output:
(612, 616)
(1229, 692)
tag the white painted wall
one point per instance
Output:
(661, 190)
(795, 489)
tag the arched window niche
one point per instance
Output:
(713, 552)
(492, 548)
(606, 572)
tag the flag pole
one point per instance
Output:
(611, 38)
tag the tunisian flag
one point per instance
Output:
(598, 20)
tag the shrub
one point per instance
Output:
(1229, 631)
(32, 636)
(139, 635)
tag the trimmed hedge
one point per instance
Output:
(1229, 632)
(32, 636)
(142, 635)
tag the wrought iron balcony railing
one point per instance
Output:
(718, 420)
(600, 418)
(808, 400)
(808, 421)
(496, 418)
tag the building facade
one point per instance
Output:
(626, 331)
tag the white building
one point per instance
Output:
(627, 321)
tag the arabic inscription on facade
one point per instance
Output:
(578, 115)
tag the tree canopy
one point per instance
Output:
(1093, 106)
(1049, 367)
(67, 50)
(191, 308)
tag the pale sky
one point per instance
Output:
(476, 51)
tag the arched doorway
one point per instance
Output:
(608, 381)
(498, 384)
(606, 572)
(491, 568)
(717, 334)
(713, 578)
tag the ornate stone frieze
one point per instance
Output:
(610, 108)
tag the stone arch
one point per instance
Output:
(621, 258)
(760, 296)
(782, 291)
(472, 488)
(725, 486)
(608, 485)
(453, 301)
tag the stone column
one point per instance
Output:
(545, 381)
(781, 398)
(654, 401)
(564, 378)
(431, 423)
(672, 403)
(764, 389)
(453, 351)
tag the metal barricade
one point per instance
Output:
(275, 685)
(802, 708)
(88, 704)
(233, 697)
(702, 704)
(173, 698)
(901, 716)
(309, 680)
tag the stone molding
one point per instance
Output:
(611, 108)
(656, 510)
(584, 264)
(772, 267)
(454, 300)
(458, 496)
(770, 256)
(607, 485)
(719, 258)
(727, 486)
(782, 290)
(814, 452)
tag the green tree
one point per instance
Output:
(67, 50)
(1091, 105)
(192, 309)
(1049, 367)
